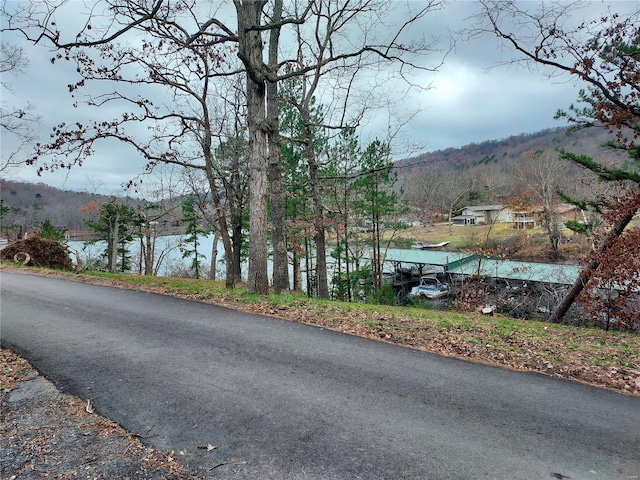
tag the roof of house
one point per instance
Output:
(484, 208)
(560, 208)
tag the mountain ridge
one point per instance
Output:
(587, 141)
(31, 203)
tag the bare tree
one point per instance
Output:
(319, 62)
(16, 122)
(423, 195)
(538, 179)
(198, 30)
(186, 130)
(456, 188)
(604, 55)
(232, 171)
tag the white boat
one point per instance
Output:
(430, 287)
(426, 246)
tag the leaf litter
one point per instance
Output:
(47, 434)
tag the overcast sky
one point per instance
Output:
(470, 102)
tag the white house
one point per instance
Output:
(483, 214)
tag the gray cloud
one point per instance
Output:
(470, 101)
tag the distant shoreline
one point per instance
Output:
(85, 236)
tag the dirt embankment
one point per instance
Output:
(47, 434)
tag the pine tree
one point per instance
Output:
(191, 217)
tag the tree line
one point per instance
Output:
(236, 86)
(223, 72)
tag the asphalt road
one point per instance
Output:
(282, 400)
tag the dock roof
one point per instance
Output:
(471, 263)
(525, 271)
(428, 257)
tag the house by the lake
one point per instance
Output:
(533, 216)
(522, 219)
(483, 215)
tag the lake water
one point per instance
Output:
(168, 250)
(171, 248)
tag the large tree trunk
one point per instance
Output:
(236, 210)
(250, 52)
(236, 240)
(113, 248)
(223, 229)
(257, 281)
(221, 216)
(214, 256)
(278, 236)
(581, 281)
(318, 214)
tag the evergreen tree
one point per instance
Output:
(611, 273)
(191, 217)
(379, 204)
(115, 225)
(300, 145)
(343, 164)
(604, 54)
(47, 230)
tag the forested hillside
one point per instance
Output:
(520, 170)
(508, 151)
(32, 203)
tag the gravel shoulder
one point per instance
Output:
(47, 434)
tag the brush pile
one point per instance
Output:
(38, 252)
